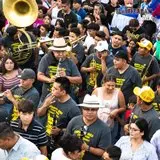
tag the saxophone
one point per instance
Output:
(93, 75)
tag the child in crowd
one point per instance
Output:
(112, 153)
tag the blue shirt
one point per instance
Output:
(23, 148)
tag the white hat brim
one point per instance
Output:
(90, 105)
(58, 49)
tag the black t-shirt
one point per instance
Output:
(132, 34)
(110, 11)
(126, 81)
(68, 18)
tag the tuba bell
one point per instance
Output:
(20, 13)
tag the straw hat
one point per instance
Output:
(59, 44)
(91, 101)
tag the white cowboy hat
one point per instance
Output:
(91, 101)
(59, 44)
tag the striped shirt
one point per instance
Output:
(35, 132)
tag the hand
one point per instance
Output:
(92, 69)
(9, 94)
(49, 100)
(84, 146)
(52, 80)
(104, 55)
(62, 73)
(55, 131)
(113, 114)
(105, 156)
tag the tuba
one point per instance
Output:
(21, 13)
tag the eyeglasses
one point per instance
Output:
(134, 129)
(90, 109)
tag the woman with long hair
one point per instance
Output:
(114, 102)
(10, 71)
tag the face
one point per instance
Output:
(59, 54)
(142, 51)
(74, 155)
(117, 41)
(40, 13)
(97, 39)
(2, 51)
(76, 5)
(110, 86)
(56, 90)
(114, 2)
(91, 32)
(26, 83)
(132, 44)
(65, 7)
(96, 10)
(43, 31)
(47, 20)
(128, 3)
(118, 63)
(135, 132)
(90, 114)
(26, 118)
(9, 65)
(82, 30)
(59, 3)
(4, 144)
(72, 36)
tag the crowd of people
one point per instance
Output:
(81, 82)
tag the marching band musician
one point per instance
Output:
(93, 65)
(13, 39)
(56, 63)
(58, 109)
(77, 48)
(146, 64)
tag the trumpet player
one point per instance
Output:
(93, 66)
(47, 69)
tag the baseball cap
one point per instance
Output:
(101, 46)
(145, 93)
(145, 44)
(27, 74)
(121, 54)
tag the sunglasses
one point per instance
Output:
(90, 109)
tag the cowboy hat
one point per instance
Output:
(59, 44)
(91, 101)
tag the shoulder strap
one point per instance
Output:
(147, 67)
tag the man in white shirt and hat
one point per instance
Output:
(95, 134)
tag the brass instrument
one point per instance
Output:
(58, 68)
(20, 13)
(93, 75)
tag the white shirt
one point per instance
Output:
(58, 154)
(54, 14)
(156, 142)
